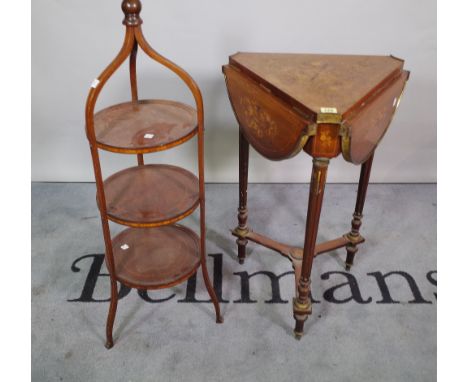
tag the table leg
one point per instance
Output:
(352, 248)
(243, 181)
(302, 304)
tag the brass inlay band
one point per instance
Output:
(300, 307)
(354, 238)
(311, 130)
(317, 182)
(322, 162)
(334, 118)
(240, 232)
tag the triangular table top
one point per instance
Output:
(315, 80)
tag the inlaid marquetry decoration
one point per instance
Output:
(326, 105)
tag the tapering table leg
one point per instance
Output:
(302, 304)
(352, 248)
(243, 181)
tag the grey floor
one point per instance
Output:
(385, 332)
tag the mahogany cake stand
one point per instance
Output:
(325, 105)
(153, 253)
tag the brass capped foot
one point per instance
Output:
(297, 335)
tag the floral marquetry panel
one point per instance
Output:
(271, 127)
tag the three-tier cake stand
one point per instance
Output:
(153, 252)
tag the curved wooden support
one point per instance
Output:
(211, 292)
(90, 133)
(134, 38)
(100, 81)
(134, 85)
(133, 76)
(111, 315)
(181, 73)
(195, 90)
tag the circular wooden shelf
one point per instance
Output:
(151, 195)
(144, 126)
(153, 258)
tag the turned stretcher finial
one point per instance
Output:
(132, 9)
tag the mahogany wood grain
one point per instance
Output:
(368, 125)
(151, 195)
(278, 97)
(144, 126)
(155, 258)
(326, 104)
(313, 81)
(133, 72)
(268, 124)
(292, 251)
(134, 86)
(101, 198)
(130, 201)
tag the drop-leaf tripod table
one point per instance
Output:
(153, 253)
(326, 105)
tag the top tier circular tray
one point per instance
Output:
(151, 195)
(144, 126)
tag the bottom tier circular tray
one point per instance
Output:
(153, 258)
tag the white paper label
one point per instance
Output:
(95, 83)
(124, 247)
(328, 110)
(148, 136)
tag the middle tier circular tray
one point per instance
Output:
(144, 126)
(151, 195)
(153, 258)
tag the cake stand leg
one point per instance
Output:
(211, 292)
(109, 255)
(111, 316)
(352, 248)
(302, 304)
(134, 85)
(243, 182)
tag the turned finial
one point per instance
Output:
(132, 9)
